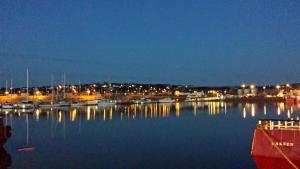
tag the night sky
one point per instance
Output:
(150, 41)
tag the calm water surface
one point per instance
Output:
(175, 136)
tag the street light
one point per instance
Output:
(88, 92)
(277, 87)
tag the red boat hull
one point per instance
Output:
(276, 149)
(273, 163)
(272, 143)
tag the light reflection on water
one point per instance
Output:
(157, 110)
(181, 131)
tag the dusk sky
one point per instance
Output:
(156, 41)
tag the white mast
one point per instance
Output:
(52, 88)
(79, 87)
(27, 85)
(11, 88)
(64, 85)
(5, 87)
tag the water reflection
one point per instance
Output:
(249, 110)
(133, 111)
(145, 111)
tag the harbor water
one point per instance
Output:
(190, 135)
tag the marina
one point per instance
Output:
(145, 84)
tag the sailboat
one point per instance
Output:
(50, 104)
(25, 104)
(7, 105)
(53, 103)
(64, 102)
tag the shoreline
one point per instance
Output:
(70, 97)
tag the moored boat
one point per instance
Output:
(148, 101)
(276, 144)
(64, 103)
(104, 103)
(166, 100)
(92, 102)
(78, 104)
(125, 102)
(49, 105)
(7, 106)
(24, 105)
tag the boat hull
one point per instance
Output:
(272, 143)
(277, 145)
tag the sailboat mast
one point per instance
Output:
(27, 84)
(52, 88)
(79, 90)
(11, 88)
(64, 85)
(6, 87)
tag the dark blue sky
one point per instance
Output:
(158, 41)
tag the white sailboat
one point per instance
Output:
(64, 102)
(25, 104)
(6, 105)
(56, 104)
(52, 103)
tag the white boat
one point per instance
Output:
(93, 102)
(48, 105)
(7, 106)
(190, 100)
(64, 103)
(78, 104)
(166, 100)
(148, 101)
(24, 105)
(217, 98)
(139, 101)
(104, 103)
